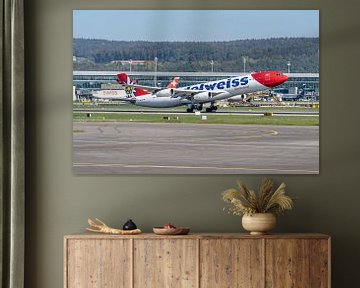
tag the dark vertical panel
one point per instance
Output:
(12, 194)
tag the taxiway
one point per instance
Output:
(146, 148)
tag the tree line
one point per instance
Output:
(223, 56)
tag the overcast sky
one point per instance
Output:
(194, 25)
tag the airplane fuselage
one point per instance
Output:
(204, 92)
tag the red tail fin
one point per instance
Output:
(131, 91)
(123, 79)
(174, 83)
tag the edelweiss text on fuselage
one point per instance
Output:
(231, 82)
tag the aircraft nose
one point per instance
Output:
(284, 78)
(279, 79)
(270, 79)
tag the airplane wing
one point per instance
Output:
(185, 93)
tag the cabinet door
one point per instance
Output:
(320, 263)
(170, 263)
(231, 263)
(98, 263)
(287, 263)
(297, 263)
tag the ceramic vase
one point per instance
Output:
(259, 223)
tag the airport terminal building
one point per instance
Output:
(89, 80)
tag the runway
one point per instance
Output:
(146, 148)
(172, 112)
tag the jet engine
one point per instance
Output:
(165, 93)
(202, 96)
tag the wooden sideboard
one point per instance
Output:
(197, 260)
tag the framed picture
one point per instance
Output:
(171, 92)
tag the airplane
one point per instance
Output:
(116, 94)
(109, 94)
(194, 96)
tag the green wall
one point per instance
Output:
(58, 203)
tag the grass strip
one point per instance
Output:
(197, 119)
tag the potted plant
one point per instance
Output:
(258, 210)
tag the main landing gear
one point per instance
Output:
(212, 108)
(199, 107)
(191, 108)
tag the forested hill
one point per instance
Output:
(261, 54)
